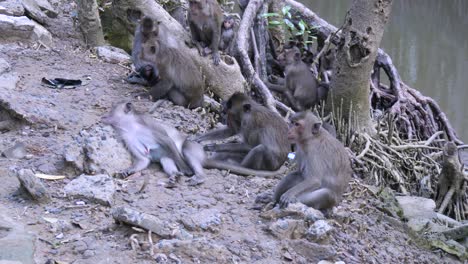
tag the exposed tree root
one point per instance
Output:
(242, 44)
(418, 116)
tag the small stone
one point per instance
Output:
(59, 236)
(33, 185)
(99, 188)
(79, 246)
(288, 228)
(319, 230)
(113, 55)
(18, 151)
(4, 66)
(88, 254)
(287, 256)
(160, 258)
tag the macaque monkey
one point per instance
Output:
(323, 166)
(227, 34)
(264, 143)
(300, 86)
(171, 73)
(205, 18)
(148, 140)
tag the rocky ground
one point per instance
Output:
(217, 222)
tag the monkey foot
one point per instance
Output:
(173, 179)
(195, 181)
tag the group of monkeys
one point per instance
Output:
(323, 166)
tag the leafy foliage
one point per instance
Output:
(297, 30)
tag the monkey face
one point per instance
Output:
(228, 23)
(116, 114)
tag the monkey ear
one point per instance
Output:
(247, 107)
(128, 107)
(316, 128)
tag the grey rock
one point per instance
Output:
(319, 230)
(18, 151)
(11, 8)
(313, 252)
(23, 29)
(88, 254)
(4, 66)
(98, 188)
(33, 185)
(97, 151)
(418, 210)
(16, 245)
(288, 228)
(113, 55)
(144, 220)
(205, 220)
(39, 10)
(203, 250)
(41, 35)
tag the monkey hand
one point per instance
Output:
(210, 147)
(216, 58)
(125, 173)
(286, 199)
(272, 79)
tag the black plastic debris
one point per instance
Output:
(61, 83)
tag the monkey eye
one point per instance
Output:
(153, 49)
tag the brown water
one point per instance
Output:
(428, 43)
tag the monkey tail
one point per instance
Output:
(236, 169)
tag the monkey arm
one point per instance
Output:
(195, 36)
(161, 88)
(136, 51)
(229, 147)
(216, 37)
(221, 133)
(295, 105)
(276, 87)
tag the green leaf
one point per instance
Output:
(302, 25)
(270, 15)
(289, 24)
(285, 11)
(275, 23)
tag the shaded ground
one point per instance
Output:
(87, 234)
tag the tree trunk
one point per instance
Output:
(223, 80)
(90, 23)
(356, 53)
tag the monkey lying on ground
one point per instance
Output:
(171, 73)
(149, 140)
(264, 143)
(205, 18)
(300, 86)
(323, 166)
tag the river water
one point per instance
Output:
(428, 43)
